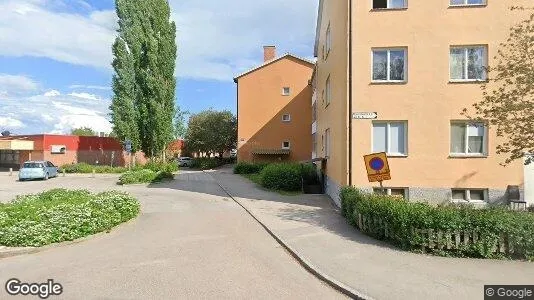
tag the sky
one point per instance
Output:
(55, 56)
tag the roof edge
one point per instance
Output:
(271, 62)
(318, 28)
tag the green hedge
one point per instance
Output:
(144, 176)
(84, 168)
(249, 168)
(285, 177)
(62, 215)
(402, 217)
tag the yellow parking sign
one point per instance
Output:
(377, 167)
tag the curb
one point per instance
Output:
(340, 287)
(16, 251)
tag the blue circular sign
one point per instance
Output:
(377, 164)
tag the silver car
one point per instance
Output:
(184, 161)
(37, 170)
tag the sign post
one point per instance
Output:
(377, 168)
(128, 148)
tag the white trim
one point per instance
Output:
(328, 140)
(389, 5)
(328, 90)
(465, 4)
(465, 49)
(485, 139)
(283, 145)
(388, 64)
(388, 142)
(314, 127)
(328, 41)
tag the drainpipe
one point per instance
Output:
(350, 93)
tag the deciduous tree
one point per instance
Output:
(508, 96)
(212, 132)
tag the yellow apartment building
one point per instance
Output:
(416, 64)
(273, 109)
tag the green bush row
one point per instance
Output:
(62, 215)
(280, 176)
(144, 176)
(249, 168)
(402, 217)
(84, 168)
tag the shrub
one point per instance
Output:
(62, 215)
(144, 176)
(249, 168)
(285, 177)
(84, 168)
(403, 217)
(161, 166)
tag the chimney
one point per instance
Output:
(269, 53)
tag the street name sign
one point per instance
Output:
(377, 167)
(364, 115)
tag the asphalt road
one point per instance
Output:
(190, 242)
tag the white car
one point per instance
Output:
(184, 161)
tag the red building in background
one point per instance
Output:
(67, 149)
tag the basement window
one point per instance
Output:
(286, 91)
(469, 195)
(286, 145)
(395, 192)
(389, 4)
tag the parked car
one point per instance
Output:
(37, 170)
(233, 153)
(185, 161)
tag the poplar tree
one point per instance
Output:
(144, 83)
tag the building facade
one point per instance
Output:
(273, 109)
(417, 64)
(64, 149)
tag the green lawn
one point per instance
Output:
(256, 178)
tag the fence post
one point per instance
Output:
(94, 172)
(10, 171)
(64, 173)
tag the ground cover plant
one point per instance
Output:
(62, 215)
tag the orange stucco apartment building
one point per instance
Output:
(417, 64)
(273, 109)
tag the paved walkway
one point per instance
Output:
(191, 241)
(312, 226)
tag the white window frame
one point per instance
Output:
(328, 41)
(388, 142)
(466, 142)
(288, 118)
(284, 93)
(388, 71)
(467, 195)
(58, 149)
(484, 3)
(328, 139)
(466, 48)
(284, 147)
(389, 5)
(388, 190)
(328, 91)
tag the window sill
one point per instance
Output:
(457, 201)
(468, 5)
(468, 81)
(389, 9)
(468, 156)
(388, 82)
(396, 155)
